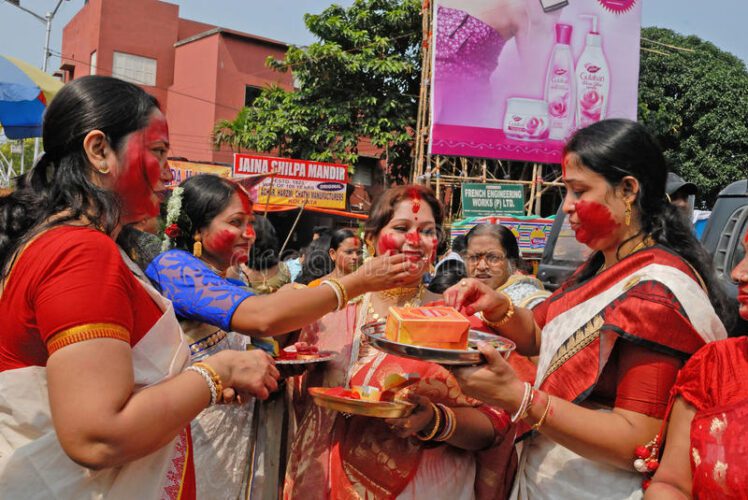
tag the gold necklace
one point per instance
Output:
(414, 300)
(398, 293)
(215, 270)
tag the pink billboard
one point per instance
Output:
(513, 79)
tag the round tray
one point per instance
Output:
(451, 357)
(323, 357)
(378, 409)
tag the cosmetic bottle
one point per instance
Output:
(560, 85)
(593, 79)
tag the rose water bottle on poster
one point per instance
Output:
(560, 85)
(593, 79)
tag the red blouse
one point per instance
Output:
(70, 284)
(714, 382)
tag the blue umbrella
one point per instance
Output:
(25, 92)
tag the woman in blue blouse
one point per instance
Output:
(209, 224)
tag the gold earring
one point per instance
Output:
(370, 249)
(104, 167)
(627, 218)
(197, 247)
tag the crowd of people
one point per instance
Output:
(137, 349)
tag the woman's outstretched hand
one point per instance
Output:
(388, 271)
(245, 374)
(495, 383)
(470, 296)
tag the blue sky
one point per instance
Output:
(721, 22)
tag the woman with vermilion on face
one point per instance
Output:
(96, 391)
(209, 225)
(334, 457)
(705, 449)
(611, 340)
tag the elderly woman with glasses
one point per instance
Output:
(492, 256)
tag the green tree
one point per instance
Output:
(696, 102)
(6, 155)
(360, 80)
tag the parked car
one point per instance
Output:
(722, 237)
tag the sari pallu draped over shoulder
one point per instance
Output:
(357, 457)
(652, 299)
(33, 465)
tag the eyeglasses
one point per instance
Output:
(492, 259)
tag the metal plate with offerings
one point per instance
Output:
(375, 333)
(334, 398)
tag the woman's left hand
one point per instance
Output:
(421, 418)
(494, 383)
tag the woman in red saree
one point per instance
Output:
(611, 340)
(352, 458)
(705, 451)
(94, 402)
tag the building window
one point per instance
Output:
(92, 68)
(135, 69)
(250, 94)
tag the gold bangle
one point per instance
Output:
(216, 379)
(437, 424)
(342, 289)
(540, 422)
(450, 426)
(507, 315)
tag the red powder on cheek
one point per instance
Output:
(595, 222)
(222, 243)
(433, 250)
(387, 243)
(142, 171)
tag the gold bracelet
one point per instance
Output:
(540, 422)
(437, 424)
(342, 289)
(507, 315)
(216, 379)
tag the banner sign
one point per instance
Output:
(493, 199)
(513, 79)
(183, 170)
(318, 184)
(531, 232)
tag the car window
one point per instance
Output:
(567, 248)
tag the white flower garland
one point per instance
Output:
(173, 207)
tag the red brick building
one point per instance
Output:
(200, 73)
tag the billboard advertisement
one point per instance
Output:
(296, 182)
(513, 79)
(183, 170)
(531, 232)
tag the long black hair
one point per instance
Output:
(264, 253)
(60, 183)
(317, 261)
(204, 196)
(619, 148)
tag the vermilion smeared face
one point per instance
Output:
(740, 275)
(140, 179)
(412, 232)
(228, 237)
(595, 214)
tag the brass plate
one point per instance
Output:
(322, 357)
(377, 409)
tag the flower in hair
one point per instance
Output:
(173, 208)
(172, 231)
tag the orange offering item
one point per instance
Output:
(438, 327)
